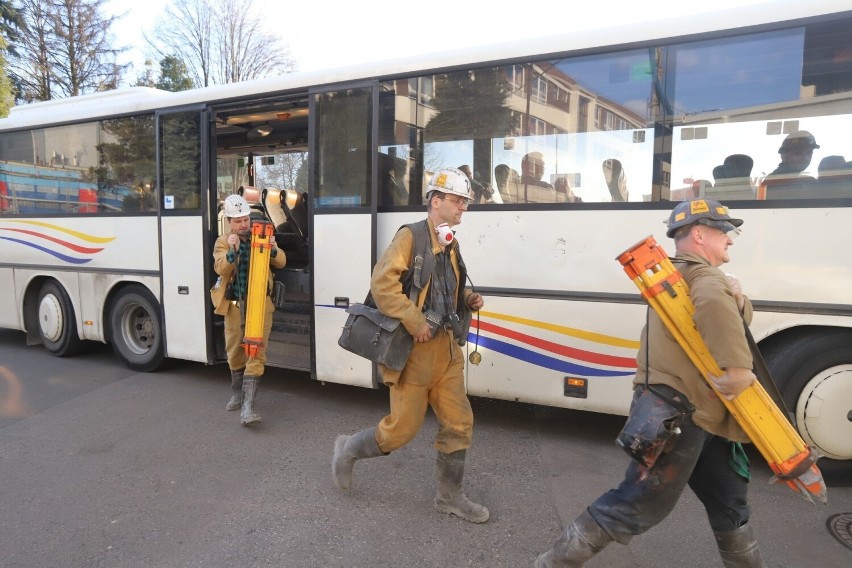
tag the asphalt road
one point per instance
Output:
(102, 466)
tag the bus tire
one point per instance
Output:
(813, 371)
(136, 331)
(57, 324)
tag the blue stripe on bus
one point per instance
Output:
(58, 255)
(528, 356)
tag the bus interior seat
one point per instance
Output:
(295, 207)
(731, 189)
(292, 236)
(616, 180)
(508, 182)
(272, 202)
(253, 197)
(514, 190)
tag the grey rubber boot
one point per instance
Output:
(248, 415)
(348, 450)
(738, 548)
(236, 400)
(583, 538)
(450, 498)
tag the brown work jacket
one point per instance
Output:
(386, 285)
(720, 324)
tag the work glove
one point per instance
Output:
(732, 382)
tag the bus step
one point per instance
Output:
(289, 338)
(292, 327)
(296, 307)
(288, 355)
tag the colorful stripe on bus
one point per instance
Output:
(60, 242)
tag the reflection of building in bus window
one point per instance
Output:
(787, 180)
(616, 180)
(835, 177)
(733, 179)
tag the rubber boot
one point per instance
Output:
(236, 400)
(583, 538)
(348, 450)
(739, 549)
(248, 415)
(450, 498)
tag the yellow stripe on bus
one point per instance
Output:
(79, 235)
(573, 332)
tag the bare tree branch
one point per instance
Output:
(194, 31)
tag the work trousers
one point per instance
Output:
(235, 334)
(433, 376)
(646, 496)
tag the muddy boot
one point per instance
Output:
(236, 400)
(450, 498)
(248, 415)
(348, 450)
(581, 540)
(738, 548)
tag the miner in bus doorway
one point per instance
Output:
(231, 255)
(434, 373)
(678, 432)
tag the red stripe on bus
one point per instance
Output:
(564, 350)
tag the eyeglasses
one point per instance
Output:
(459, 201)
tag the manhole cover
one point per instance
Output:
(840, 527)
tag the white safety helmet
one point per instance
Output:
(450, 180)
(236, 206)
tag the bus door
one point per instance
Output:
(344, 221)
(182, 173)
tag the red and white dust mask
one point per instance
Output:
(445, 234)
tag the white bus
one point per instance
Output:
(579, 145)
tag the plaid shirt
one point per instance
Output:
(241, 257)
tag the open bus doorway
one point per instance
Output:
(261, 152)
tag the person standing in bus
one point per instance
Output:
(434, 373)
(231, 255)
(678, 432)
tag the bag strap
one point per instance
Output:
(422, 263)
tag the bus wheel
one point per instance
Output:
(814, 375)
(56, 321)
(136, 333)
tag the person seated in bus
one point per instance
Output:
(679, 431)
(532, 171)
(481, 193)
(539, 191)
(788, 181)
(438, 321)
(231, 257)
(394, 188)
